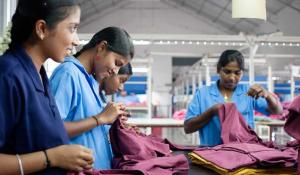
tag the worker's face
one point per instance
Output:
(107, 63)
(230, 75)
(58, 42)
(115, 83)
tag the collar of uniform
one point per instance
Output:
(103, 96)
(90, 78)
(26, 61)
(78, 64)
(214, 90)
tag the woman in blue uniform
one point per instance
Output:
(202, 111)
(115, 83)
(32, 135)
(75, 86)
(112, 85)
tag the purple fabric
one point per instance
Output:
(134, 151)
(232, 156)
(108, 172)
(173, 147)
(242, 147)
(234, 127)
(292, 125)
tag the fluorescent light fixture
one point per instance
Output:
(83, 42)
(141, 42)
(139, 70)
(256, 60)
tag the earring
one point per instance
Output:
(41, 37)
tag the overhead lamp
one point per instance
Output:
(83, 42)
(141, 42)
(139, 70)
(249, 9)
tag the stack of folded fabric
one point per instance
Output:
(245, 158)
(242, 151)
(107, 172)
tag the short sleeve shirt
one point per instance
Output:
(29, 118)
(77, 96)
(206, 97)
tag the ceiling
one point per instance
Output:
(214, 13)
(217, 12)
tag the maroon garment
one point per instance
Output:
(134, 151)
(292, 125)
(234, 127)
(173, 147)
(232, 156)
(242, 147)
(108, 172)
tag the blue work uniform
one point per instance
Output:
(77, 96)
(207, 96)
(29, 118)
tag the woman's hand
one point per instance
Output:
(257, 91)
(111, 112)
(71, 157)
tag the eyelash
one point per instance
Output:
(73, 29)
(236, 73)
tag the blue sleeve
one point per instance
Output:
(194, 107)
(63, 88)
(261, 106)
(10, 108)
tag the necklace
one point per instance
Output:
(226, 98)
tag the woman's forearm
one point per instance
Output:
(196, 123)
(32, 162)
(274, 105)
(76, 128)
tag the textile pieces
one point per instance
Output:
(136, 151)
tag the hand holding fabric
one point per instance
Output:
(257, 91)
(71, 157)
(111, 112)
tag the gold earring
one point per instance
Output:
(41, 37)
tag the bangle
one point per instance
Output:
(97, 122)
(47, 161)
(20, 164)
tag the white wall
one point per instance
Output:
(162, 81)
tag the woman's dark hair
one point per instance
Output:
(29, 11)
(118, 41)
(125, 70)
(229, 56)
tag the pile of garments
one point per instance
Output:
(150, 155)
(242, 151)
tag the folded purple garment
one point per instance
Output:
(135, 151)
(108, 172)
(232, 156)
(242, 147)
